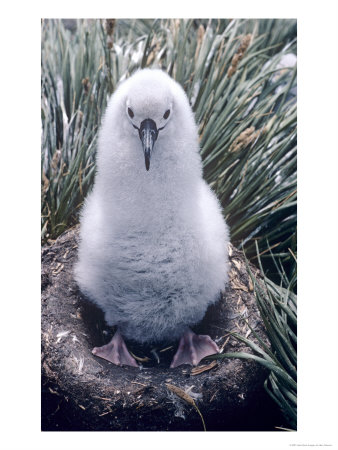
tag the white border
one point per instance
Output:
(20, 189)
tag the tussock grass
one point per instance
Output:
(278, 308)
(247, 121)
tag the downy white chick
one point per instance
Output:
(153, 241)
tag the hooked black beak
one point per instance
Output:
(148, 133)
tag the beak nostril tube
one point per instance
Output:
(148, 133)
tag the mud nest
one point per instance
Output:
(83, 392)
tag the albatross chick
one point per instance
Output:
(153, 241)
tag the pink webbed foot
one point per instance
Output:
(116, 352)
(192, 348)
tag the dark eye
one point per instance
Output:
(130, 112)
(166, 114)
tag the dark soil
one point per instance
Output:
(83, 392)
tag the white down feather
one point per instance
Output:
(153, 244)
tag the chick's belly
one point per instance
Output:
(149, 272)
(152, 260)
(159, 306)
(156, 293)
